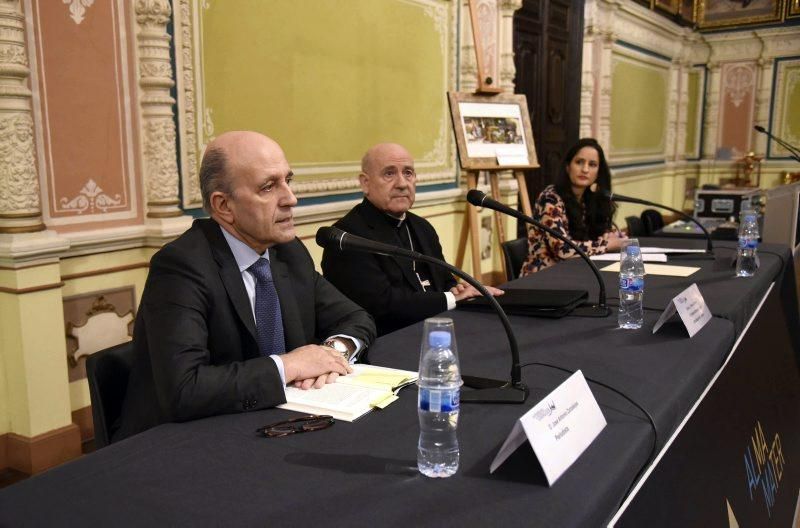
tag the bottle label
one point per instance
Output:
(631, 284)
(748, 243)
(439, 400)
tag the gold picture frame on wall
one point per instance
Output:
(794, 9)
(492, 131)
(726, 13)
(668, 6)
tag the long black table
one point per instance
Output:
(216, 471)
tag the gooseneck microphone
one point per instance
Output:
(479, 199)
(794, 153)
(485, 390)
(621, 198)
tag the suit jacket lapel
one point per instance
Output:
(230, 275)
(290, 312)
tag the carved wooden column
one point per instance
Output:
(158, 124)
(673, 109)
(20, 203)
(588, 116)
(468, 80)
(765, 65)
(682, 118)
(506, 43)
(711, 112)
(604, 97)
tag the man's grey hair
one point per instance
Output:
(213, 175)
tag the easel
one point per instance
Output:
(487, 93)
(470, 227)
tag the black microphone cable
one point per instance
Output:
(652, 454)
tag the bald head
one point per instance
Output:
(388, 178)
(227, 153)
(244, 180)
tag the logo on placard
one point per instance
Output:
(763, 464)
(545, 412)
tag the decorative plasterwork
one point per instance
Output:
(155, 79)
(19, 185)
(739, 83)
(637, 25)
(20, 203)
(196, 123)
(187, 109)
(753, 45)
(116, 169)
(77, 9)
(91, 198)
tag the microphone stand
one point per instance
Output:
(485, 390)
(708, 255)
(489, 390)
(587, 310)
(794, 153)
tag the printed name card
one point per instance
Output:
(559, 428)
(691, 307)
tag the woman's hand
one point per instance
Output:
(615, 241)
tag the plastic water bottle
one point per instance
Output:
(747, 254)
(438, 404)
(631, 288)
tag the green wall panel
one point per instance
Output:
(327, 79)
(789, 94)
(638, 109)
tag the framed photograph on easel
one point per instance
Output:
(493, 132)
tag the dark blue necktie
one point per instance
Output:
(269, 324)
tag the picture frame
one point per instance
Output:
(668, 6)
(793, 9)
(492, 131)
(712, 14)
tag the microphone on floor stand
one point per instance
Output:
(709, 254)
(485, 390)
(794, 153)
(479, 199)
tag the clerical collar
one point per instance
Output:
(397, 221)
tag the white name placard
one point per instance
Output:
(559, 428)
(691, 307)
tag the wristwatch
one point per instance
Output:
(339, 346)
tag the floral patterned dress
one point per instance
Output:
(545, 250)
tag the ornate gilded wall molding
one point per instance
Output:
(155, 80)
(20, 201)
(196, 120)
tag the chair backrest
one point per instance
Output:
(514, 253)
(108, 372)
(652, 220)
(635, 226)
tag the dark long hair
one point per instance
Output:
(599, 210)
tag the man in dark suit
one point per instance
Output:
(233, 309)
(396, 292)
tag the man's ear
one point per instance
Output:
(363, 180)
(221, 207)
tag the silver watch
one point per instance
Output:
(338, 346)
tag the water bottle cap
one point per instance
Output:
(439, 338)
(632, 251)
